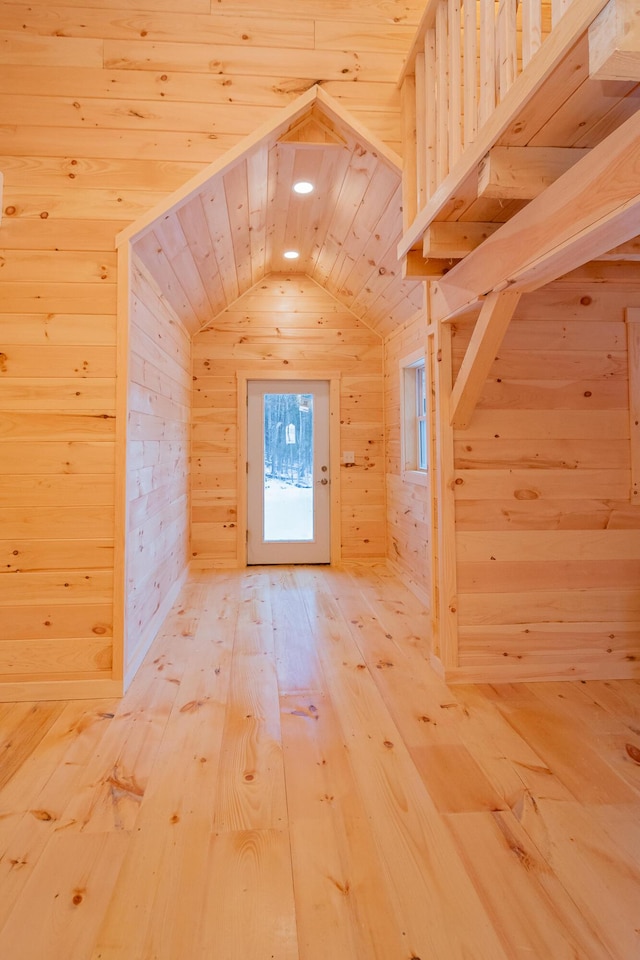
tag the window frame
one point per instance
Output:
(412, 367)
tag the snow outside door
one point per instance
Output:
(288, 475)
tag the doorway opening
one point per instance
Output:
(181, 267)
(288, 472)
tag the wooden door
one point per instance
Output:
(288, 472)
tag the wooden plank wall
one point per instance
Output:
(157, 483)
(289, 323)
(408, 531)
(548, 541)
(57, 438)
(105, 109)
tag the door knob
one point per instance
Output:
(324, 481)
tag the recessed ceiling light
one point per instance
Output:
(303, 186)
(291, 254)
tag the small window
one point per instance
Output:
(414, 415)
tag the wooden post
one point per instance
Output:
(121, 500)
(434, 525)
(242, 454)
(614, 42)
(633, 348)
(446, 523)
(334, 447)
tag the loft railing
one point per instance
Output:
(466, 57)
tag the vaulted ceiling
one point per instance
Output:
(230, 226)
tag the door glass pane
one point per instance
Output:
(288, 466)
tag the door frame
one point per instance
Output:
(300, 373)
(286, 550)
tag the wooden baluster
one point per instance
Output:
(507, 45)
(422, 125)
(431, 110)
(558, 9)
(442, 92)
(455, 81)
(470, 71)
(487, 59)
(414, 160)
(531, 29)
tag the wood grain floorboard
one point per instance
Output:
(288, 779)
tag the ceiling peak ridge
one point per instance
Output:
(315, 102)
(241, 218)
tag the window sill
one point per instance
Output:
(420, 477)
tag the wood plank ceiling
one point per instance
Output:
(231, 227)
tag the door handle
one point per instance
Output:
(324, 481)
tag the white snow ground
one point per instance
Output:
(288, 511)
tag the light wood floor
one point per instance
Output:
(287, 779)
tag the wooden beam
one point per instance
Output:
(587, 211)
(570, 29)
(629, 251)
(312, 131)
(333, 110)
(614, 42)
(522, 173)
(488, 333)
(416, 267)
(633, 348)
(455, 239)
(617, 273)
